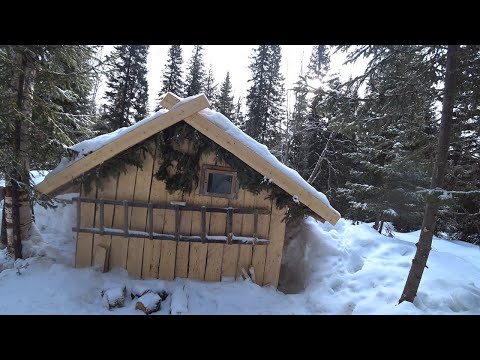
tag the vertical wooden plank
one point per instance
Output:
(198, 251)
(108, 191)
(245, 251)
(260, 251)
(218, 221)
(183, 248)
(231, 252)
(119, 245)
(84, 248)
(218, 225)
(275, 247)
(138, 217)
(152, 248)
(166, 270)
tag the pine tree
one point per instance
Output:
(459, 217)
(194, 83)
(224, 103)
(297, 144)
(210, 88)
(265, 97)
(319, 62)
(127, 97)
(238, 117)
(424, 244)
(172, 75)
(36, 109)
(393, 133)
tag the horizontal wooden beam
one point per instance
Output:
(251, 158)
(170, 206)
(220, 239)
(122, 143)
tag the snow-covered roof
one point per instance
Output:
(259, 156)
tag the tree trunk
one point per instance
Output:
(3, 234)
(19, 216)
(318, 166)
(424, 244)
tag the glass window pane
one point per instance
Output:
(219, 183)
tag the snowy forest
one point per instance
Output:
(372, 144)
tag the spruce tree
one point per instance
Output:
(224, 103)
(394, 131)
(319, 62)
(210, 88)
(459, 216)
(38, 113)
(172, 75)
(265, 97)
(127, 96)
(238, 116)
(194, 83)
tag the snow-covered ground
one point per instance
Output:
(346, 269)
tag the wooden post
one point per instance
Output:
(229, 225)
(177, 222)
(255, 226)
(150, 220)
(203, 234)
(125, 217)
(102, 217)
(79, 213)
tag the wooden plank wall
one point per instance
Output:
(166, 259)
(84, 246)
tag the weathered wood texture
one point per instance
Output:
(148, 258)
(138, 218)
(84, 246)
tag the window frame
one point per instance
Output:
(212, 169)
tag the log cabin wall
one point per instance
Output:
(165, 259)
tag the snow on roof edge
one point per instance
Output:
(88, 146)
(226, 125)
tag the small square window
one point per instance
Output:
(219, 182)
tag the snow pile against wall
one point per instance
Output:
(352, 269)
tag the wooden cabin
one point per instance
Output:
(217, 231)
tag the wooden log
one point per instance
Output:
(171, 206)
(114, 297)
(210, 239)
(148, 303)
